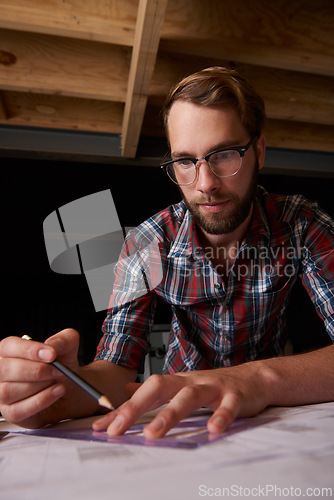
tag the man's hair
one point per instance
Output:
(218, 86)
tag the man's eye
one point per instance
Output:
(184, 163)
(224, 156)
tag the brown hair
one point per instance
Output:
(218, 86)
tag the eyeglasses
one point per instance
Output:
(222, 162)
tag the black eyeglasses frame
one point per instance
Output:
(240, 149)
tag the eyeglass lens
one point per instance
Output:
(223, 164)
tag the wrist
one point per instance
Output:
(267, 380)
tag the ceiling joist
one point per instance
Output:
(147, 36)
(107, 65)
(253, 53)
(110, 22)
(55, 65)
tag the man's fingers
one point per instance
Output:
(61, 343)
(225, 414)
(13, 392)
(28, 407)
(22, 370)
(16, 347)
(182, 396)
(188, 399)
(66, 345)
(154, 392)
(182, 399)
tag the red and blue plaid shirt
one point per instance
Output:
(218, 322)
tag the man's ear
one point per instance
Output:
(261, 150)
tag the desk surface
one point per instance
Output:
(292, 455)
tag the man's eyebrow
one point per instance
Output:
(181, 154)
(221, 145)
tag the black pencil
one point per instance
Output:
(88, 388)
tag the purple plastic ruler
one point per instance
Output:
(189, 433)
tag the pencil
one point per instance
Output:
(88, 388)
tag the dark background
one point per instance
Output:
(39, 302)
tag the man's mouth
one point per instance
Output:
(214, 207)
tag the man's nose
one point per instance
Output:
(207, 181)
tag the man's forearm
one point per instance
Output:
(299, 379)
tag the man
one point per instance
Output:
(230, 254)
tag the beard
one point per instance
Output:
(229, 221)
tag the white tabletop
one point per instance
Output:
(292, 455)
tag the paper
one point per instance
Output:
(287, 449)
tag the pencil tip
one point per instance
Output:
(104, 401)
(26, 337)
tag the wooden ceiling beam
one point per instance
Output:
(146, 43)
(288, 95)
(63, 66)
(53, 111)
(27, 109)
(291, 96)
(294, 35)
(110, 22)
(234, 50)
(297, 135)
(279, 133)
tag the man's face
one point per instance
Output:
(219, 205)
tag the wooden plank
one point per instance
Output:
(110, 21)
(279, 133)
(55, 65)
(51, 111)
(294, 96)
(147, 36)
(290, 58)
(288, 95)
(219, 27)
(301, 136)
(294, 35)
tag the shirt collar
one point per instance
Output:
(186, 243)
(183, 245)
(259, 230)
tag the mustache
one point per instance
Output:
(216, 199)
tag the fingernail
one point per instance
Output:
(116, 424)
(45, 355)
(219, 422)
(156, 425)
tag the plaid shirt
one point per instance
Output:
(219, 323)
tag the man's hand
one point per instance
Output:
(32, 391)
(230, 392)
(238, 391)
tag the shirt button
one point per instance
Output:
(218, 286)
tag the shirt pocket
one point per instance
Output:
(261, 299)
